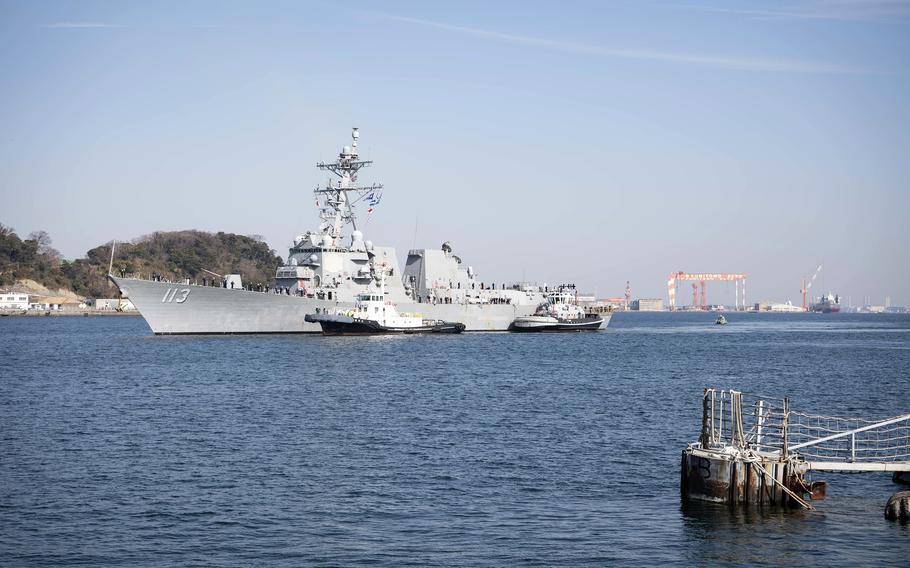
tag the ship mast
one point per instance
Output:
(339, 195)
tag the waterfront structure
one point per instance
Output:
(648, 305)
(755, 449)
(113, 304)
(13, 301)
(55, 303)
(604, 306)
(786, 307)
(701, 301)
(327, 268)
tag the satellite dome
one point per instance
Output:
(369, 245)
(314, 258)
(298, 239)
(356, 236)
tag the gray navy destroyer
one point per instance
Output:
(327, 269)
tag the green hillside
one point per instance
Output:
(174, 255)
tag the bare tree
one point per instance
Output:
(44, 244)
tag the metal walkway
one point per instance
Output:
(767, 426)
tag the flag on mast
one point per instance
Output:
(373, 200)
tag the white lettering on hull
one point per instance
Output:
(178, 295)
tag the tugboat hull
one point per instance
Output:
(537, 324)
(345, 325)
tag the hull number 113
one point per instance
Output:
(178, 295)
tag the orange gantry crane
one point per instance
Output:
(700, 279)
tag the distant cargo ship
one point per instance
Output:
(827, 304)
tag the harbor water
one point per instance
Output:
(120, 448)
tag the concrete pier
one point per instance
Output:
(737, 478)
(754, 450)
(740, 457)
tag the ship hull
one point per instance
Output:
(177, 309)
(344, 325)
(826, 309)
(553, 325)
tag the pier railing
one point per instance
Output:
(747, 421)
(854, 440)
(744, 421)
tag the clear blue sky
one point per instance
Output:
(594, 142)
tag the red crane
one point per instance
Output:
(807, 283)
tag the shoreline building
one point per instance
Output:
(648, 305)
(13, 301)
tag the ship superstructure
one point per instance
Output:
(827, 304)
(328, 268)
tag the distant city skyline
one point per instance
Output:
(591, 142)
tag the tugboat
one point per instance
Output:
(721, 320)
(559, 313)
(372, 314)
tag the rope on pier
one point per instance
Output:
(761, 471)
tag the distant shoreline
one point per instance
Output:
(63, 313)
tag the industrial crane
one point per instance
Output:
(807, 283)
(699, 279)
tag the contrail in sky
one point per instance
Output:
(725, 62)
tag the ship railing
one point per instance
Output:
(248, 287)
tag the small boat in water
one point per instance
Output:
(374, 315)
(560, 312)
(721, 320)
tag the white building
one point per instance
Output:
(55, 303)
(13, 301)
(767, 306)
(787, 308)
(106, 304)
(648, 305)
(113, 304)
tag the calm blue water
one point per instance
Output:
(121, 448)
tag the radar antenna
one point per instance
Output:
(337, 198)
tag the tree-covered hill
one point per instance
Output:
(174, 255)
(29, 259)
